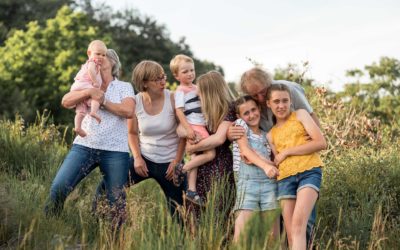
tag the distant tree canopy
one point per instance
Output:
(376, 89)
(15, 14)
(138, 38)
(40, 58)
(38, 65)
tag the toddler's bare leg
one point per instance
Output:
(192, 179)
(199, 159)
(94, 107)
(78, 124)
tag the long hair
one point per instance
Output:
(215, 98)
(277, 87)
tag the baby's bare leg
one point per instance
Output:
(78, 124)
(94, 107)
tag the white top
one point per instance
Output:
(187, 98)
(157, 133)
(112, 133)
(237, 159)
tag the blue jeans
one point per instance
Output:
(79, 162)
(157, 171)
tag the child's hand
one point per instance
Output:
(271, 171)
(280, 157)
(190, 134)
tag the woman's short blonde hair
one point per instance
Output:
(215, 98)
(145, 71)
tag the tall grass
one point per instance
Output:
(358, 206)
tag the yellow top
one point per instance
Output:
(291, 134)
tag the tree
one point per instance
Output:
(136, 37)
(15, 14)
(376, 89)
(38, 65)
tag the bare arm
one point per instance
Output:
(178, 158)
(92, 74)
(133, 139)
(315, 144)
(254, 158)
(315, 118)
(72, 98)
(124, 109)
(182, 120)
(212, 141)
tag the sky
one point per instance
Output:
(332, 36)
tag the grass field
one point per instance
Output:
(359, 206)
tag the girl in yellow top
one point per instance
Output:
(295, 140)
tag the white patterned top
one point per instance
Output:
(250, 136)
(112, 133)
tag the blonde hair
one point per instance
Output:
(145, 71)
(96, 43)
(255, 76)
(176, 61)
(215, 98)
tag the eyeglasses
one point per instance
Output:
(262, 92)
(159, 79)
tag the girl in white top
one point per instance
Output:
(152, 136)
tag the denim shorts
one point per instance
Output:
(288, 187)
(256, 194)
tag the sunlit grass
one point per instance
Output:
(358, 207)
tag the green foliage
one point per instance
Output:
(358, 206)
(294, 73)
(15, 14)
(39, 64)
(22, 157)
(136, 38)
(380, 94)
(359, 185)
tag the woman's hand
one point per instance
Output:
(140, 167)
(170, 170)
(235, 132)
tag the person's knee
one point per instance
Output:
(298, 226)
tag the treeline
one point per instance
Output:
(43, 43)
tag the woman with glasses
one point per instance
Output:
(154, 143)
